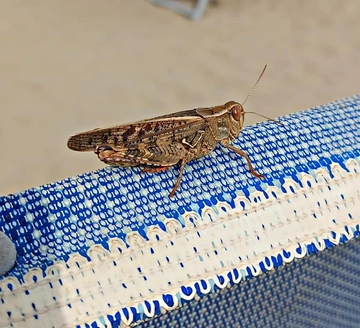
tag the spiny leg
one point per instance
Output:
(242, 153)
(178, 181)
(149, 169)
(165, 168)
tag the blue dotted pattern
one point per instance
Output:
(316, 291)
(53, 221)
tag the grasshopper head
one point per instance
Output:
(236, 115)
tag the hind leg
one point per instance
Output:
(165, 168)
(155, 169)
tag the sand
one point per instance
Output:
(67, 67)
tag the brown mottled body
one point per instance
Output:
(164, 141)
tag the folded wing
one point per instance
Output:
(173, 127)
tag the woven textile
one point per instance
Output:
(317, 291)
(109, 247)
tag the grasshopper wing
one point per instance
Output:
(168, 128)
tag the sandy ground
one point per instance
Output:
(70, 66)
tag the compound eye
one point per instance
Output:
(236, 112)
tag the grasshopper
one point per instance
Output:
(159, 143)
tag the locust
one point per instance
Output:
(159, 143)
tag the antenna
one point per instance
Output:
(270, 119)
(256, 83)
(250, 93)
